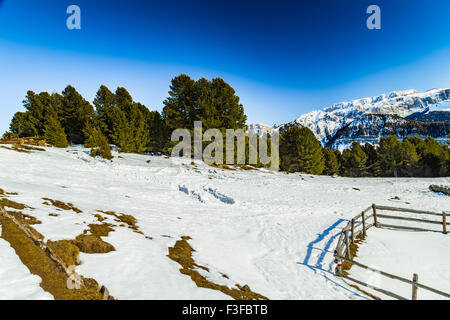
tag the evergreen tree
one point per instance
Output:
(300, 151)
(24, 125)
(158, 132)
(54, 133)
(97, 141)
(354, 161)
(433, 160)
(373, 164)
(74, 112)
(397, 158)
(180, 108)
(331, 162)
(104, 103)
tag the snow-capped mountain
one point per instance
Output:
(399, 113)
(261, 129)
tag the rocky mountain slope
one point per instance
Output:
(399, 113)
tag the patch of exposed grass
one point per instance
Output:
(222, 166)
(181, 253)
(24, 218)
(245, 167)
(92, 244)
(36, 260)
(14, 148)
(100, 230)
(5, 202)
(29, 148)
(66, 250)
(61, 205)
(124, 218)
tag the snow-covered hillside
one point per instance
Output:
(274, 232)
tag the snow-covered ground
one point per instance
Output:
(275, 232)
(16, 281)
(404, 253)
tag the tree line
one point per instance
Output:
(115, 118)
(300, 151)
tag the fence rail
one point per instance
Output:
(355, 227)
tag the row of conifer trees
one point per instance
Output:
(300, 151)
(115, 118)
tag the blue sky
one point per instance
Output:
(283, 57)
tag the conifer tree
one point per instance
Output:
(54, 134)
(397, 158)
(97, 141)
(74, 112)
(354, 161)
(300, 151)
(331, 162)
(104, 103)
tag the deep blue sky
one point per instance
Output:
(282, 57)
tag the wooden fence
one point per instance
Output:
(371, 217)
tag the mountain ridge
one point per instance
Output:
(399, 113)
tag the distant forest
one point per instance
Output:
(115, 118)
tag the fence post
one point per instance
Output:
(347, 244)
(363, 216)
(414, 287)
(444, 222)
(374, 208)
(353, 230)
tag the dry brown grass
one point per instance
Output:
(222, 166)
(92, 244)
(36, 260)
(24, 218)
(100, 230)
(61, 205)
(15, 149)
(5, 202)
(126, 219)
(66, 250)
(181, 253)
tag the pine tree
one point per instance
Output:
(433, 158)
(354, 161)
(180, 108)
(397, 158)
(373, 163)
(74, 112)
(331, 162)
(54, 134)
(158, 132)
(97, 141)
(104, 103)
(300, 151)
(24, 125)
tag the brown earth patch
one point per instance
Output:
(222, 166)
(100, 230)
(5, 202)
(92, 244)
(24, 218)
(61, 205)
(38, 262)
(15, 149)
(126, 219)
(66, 250)
(181, 253)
